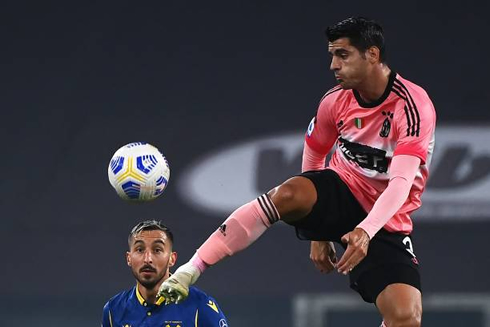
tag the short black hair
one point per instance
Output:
(150, 225)
(363, 33)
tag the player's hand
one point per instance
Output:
(323, 255)
(175, 289)
(357, 248)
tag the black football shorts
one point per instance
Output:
(390, 257)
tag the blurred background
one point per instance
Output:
(226, 90)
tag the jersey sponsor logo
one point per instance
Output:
(365, 156)
(457, 189)
(213, 306)
(223, 323)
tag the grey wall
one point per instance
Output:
(194, 78)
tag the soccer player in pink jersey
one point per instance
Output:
(381, 128)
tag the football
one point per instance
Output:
(138, 172)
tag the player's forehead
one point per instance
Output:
(150, 236)
(342, 43)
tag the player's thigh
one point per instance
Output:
(294, 198)
(400, 302)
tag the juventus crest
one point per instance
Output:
(385, 129)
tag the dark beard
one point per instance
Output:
(148, 284)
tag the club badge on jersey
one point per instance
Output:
(385, 129)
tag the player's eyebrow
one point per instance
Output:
(137, 242)
(159, 241)
(338, 52)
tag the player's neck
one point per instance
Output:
(375, 85)
(150, 295)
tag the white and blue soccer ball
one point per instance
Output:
(138, 171)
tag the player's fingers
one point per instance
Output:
(347, 254)
(351, 257)
(354, 259)
(326, 266)
(318, 259)
(329, 265)
(319, 265)
(347, 266)
(345, 238)
(342, 264)
(333, 257)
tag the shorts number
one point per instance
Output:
(408, 243)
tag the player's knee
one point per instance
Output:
(404, 317)
(284, 193)
(294, 198)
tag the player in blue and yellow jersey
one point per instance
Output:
(150, 257)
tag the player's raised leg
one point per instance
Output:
(290, 202)
(294, 199)
(400, 305)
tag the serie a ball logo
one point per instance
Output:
(139, 172)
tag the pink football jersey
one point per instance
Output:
(368, 135)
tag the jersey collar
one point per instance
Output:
(142, 300)
(383, 97)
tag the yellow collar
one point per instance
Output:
(142, 300)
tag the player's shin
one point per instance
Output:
(242, 228)
(239, 230)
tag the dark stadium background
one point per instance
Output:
(80, 79)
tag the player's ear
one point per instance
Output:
(373, 54)
(128, 259)
(173, 259)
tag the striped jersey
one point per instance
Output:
(129, 309)
(366, 136)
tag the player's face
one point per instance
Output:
(150, 256)
(348, 64)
